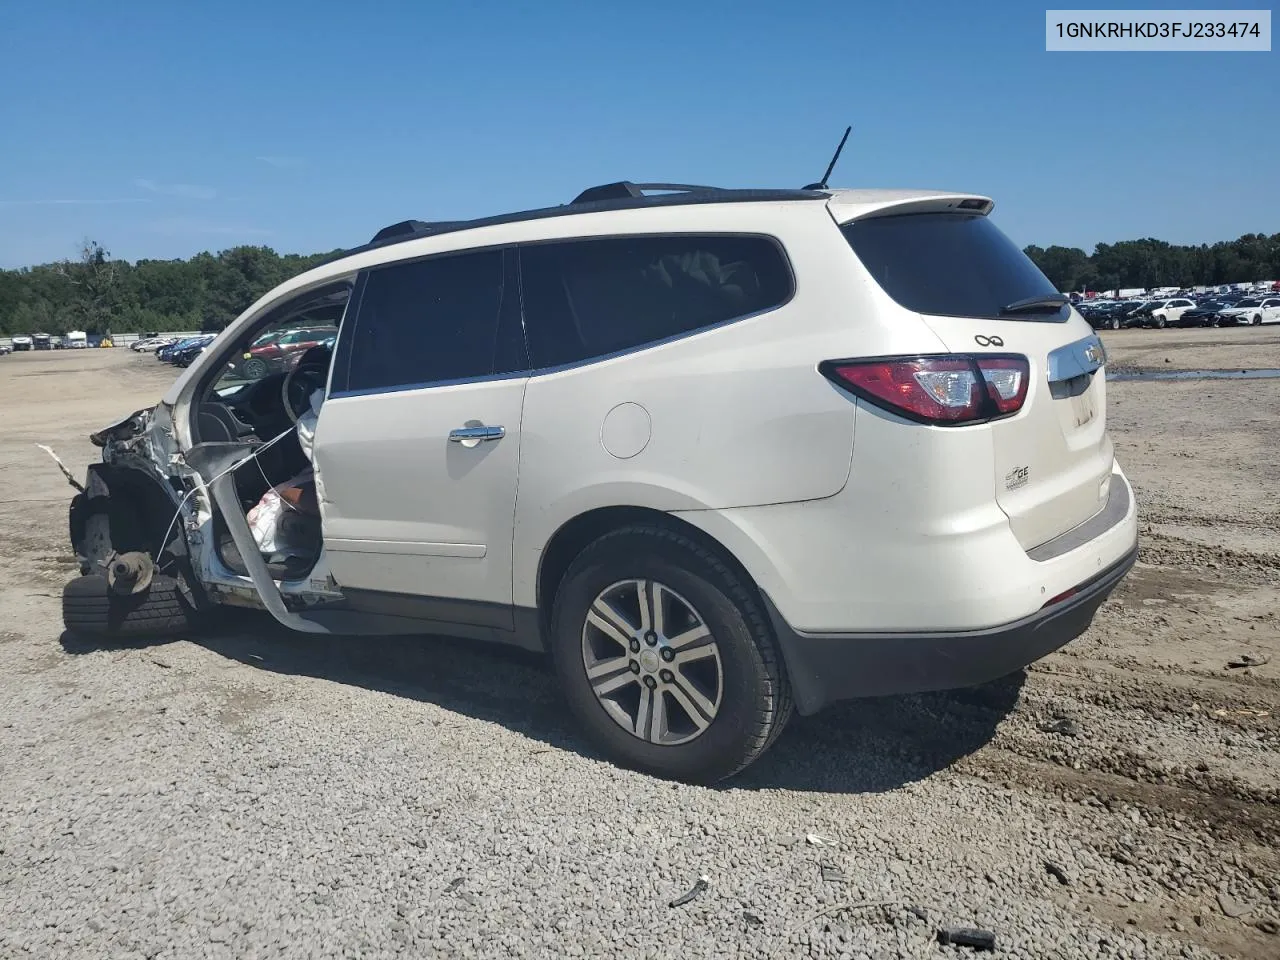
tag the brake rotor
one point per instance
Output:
(128, 574)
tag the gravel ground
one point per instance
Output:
(258, 794)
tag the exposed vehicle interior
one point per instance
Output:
(258, 400)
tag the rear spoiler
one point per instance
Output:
(849, 205)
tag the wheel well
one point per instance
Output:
(575, 535)
(139, 509)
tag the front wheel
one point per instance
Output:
(666, 656)
(91, 608)
(1160, 323)
(1257, 319)
(1115, 324)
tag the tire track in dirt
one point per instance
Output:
(1163, 549)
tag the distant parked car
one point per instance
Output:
(152, 344)
(1130, 311)
(1109, 315)
(1161, 313)
(5, 349)
(1204, 314)
(1253, 310)
(1113, 315)
(273, 352)
(167, 353)
(183, 356)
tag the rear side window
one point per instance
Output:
(427, 321)
(591, 298)
(949, 264)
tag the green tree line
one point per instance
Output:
(1154, 263)
(98, 294)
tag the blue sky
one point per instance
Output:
(162, 129)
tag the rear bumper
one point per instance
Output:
(828, 667)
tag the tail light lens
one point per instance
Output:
(951, 390)
(1006, 380)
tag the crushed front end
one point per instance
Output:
(135, 501)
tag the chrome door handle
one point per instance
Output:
(462, 434)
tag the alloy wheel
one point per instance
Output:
(652, 662)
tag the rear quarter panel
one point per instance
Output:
(734, 416)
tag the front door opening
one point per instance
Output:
(266, 394)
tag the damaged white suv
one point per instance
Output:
(719, 452)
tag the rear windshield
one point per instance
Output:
(949, 264)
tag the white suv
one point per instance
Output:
(718, 452)
(1164, 313)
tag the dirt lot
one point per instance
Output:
(255, 794)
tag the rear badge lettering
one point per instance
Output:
(1018, 477)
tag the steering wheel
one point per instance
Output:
(300, 382)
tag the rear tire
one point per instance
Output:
(747, 689)
(1115, 324)
(1160, 323)
(89, 608)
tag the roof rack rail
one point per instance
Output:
(405, 228)
(623, 195)
(408, 229)
(625, 189)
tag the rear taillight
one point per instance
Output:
(951, 390)
(1006, 379)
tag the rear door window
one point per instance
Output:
(592, 298)
(425, 322)
(950, 264)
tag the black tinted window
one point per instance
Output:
(949, 264)
(427, 321)
(590, 298)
